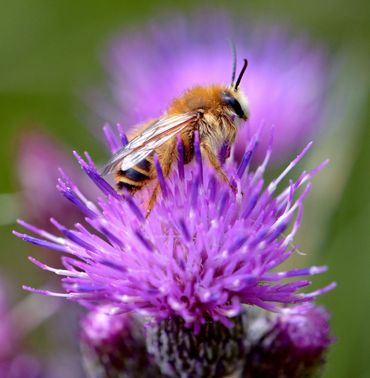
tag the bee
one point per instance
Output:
(213, 111)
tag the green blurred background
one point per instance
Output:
(49, 54)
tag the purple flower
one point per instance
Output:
(201, 254)
(292, 343)
(306, 327)
(285, 83)
(38, 160)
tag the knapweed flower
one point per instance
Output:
(114, 345)
(286, 80)
(289, 344)
(38, 159)
(202, 253)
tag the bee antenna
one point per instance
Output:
(241, 74)
(233, 52)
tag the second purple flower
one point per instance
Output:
(286, 81)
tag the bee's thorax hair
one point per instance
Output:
(209, 99)
(198, 99)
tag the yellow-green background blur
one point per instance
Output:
(49, 54)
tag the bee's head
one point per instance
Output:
(234, 98)
(236, 102)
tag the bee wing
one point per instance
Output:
(151, 138)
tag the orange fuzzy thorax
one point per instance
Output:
(198, 98)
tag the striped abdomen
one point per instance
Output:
(135, 178)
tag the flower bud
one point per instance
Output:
(291, 344)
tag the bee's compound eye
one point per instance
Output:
(230, 100)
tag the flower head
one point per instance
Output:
(202, 253)
(285, 82)
(39, 157)
(306, 327)
(292, 343)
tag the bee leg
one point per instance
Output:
(215, 162)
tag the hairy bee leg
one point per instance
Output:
(215, 162)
